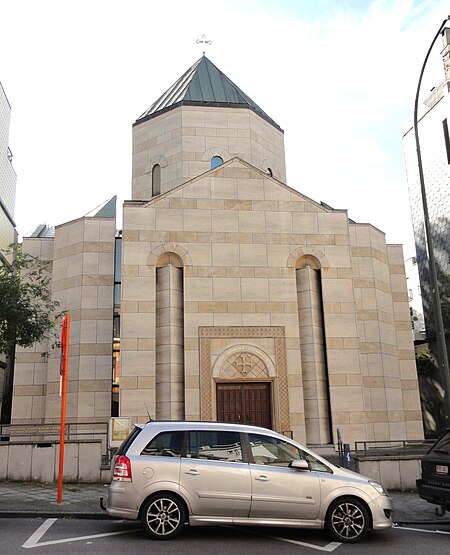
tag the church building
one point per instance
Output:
(228, 294)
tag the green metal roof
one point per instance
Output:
(108, 210)
(203, 84)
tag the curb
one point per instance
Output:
(401, 523)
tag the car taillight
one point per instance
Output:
(122, 469)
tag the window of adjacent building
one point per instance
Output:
(166, 444)
(446, 139)
(216, 161)
(156, 180)
(117, 271)
(116, 327)
(215, 445)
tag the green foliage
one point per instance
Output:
(27, 312)
(425, 363)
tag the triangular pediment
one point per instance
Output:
(245, 183)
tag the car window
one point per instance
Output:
(315, 464)
(214, 445)
(277, 452)
(272, 451)
(128, 441)
(165, 444)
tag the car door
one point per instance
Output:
(213, 476)
(279, 491)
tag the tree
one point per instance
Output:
(27, 312)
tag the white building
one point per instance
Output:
(8, 233)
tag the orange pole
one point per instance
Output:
(63, 369)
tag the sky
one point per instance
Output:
(338, 76)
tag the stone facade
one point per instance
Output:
(82, 255)
(243, 240)
(241, 299)
(183, 141)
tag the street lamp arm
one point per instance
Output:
(416, 103)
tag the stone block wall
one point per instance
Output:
(82, 253)
(183, 141)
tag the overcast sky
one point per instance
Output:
(339, 76)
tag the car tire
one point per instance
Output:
(347, 520)
(163, 516)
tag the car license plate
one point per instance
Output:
(441, 469)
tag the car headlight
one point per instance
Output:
(380, 489)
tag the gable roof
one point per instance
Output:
(217, 171)
(204, 84)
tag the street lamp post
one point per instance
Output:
(439, 323)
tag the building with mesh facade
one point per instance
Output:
(433, 127)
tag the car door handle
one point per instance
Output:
(262, 478)
(192, 472)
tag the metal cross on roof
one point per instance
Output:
(203, 40)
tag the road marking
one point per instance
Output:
(33, 540)
(328, 548)
(422, 530)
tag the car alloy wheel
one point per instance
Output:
(347, 520)
(163, 516)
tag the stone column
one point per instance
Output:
(313, 356)
(169, 343)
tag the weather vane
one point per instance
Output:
(203, 40)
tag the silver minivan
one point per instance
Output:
(170, 473)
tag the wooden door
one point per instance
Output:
(246, 403)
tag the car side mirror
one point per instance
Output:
(299, 464)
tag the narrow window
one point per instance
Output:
(156, 180)
(446, 139)
(216, 161)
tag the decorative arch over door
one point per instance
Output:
(244, 339)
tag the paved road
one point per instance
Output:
(48, 536)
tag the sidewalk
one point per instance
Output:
(25, 499)
(19, 499)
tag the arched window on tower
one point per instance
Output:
(216, 161)
(156, 180)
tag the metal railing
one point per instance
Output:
(49, 433)
(399, 447)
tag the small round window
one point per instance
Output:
(216, 161)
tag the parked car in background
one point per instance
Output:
(434, 486)
(169, 474)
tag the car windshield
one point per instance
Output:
(443, 444)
